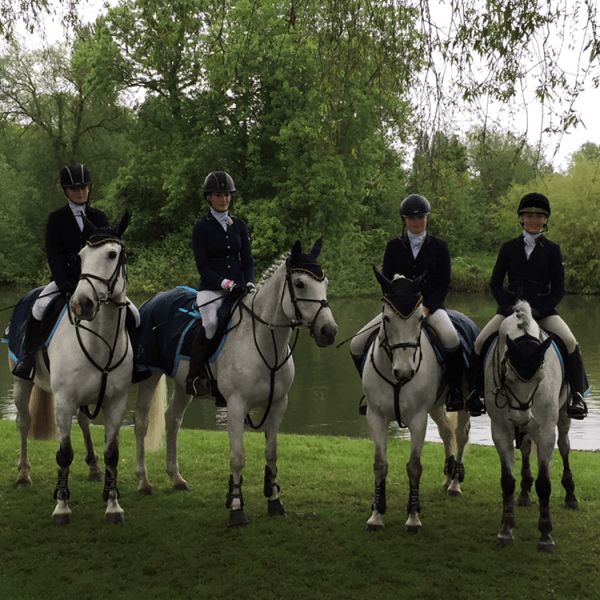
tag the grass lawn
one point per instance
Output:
(177, 544)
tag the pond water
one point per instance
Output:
(325, 395)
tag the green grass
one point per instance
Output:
(177, 544)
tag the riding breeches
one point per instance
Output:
(439, 321)
(208, 303)
(552, 324)
(51, 291)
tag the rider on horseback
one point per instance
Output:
(415, 253)
(224, 260)
(534, 266)
(67, 232)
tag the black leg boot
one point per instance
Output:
(25, 368)
(454, 375)
(140, 370)
(475, 378)
(577, 409)
(196, 383)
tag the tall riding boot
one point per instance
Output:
(577, 409)
(454, 375)
(475, 378)
(196, 383)
(25, 368)
(140, 370)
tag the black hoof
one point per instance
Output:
(238, 519)
(276, 508)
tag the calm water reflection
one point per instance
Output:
(326, 392)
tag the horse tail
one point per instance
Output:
(156, 416)
(43, 419)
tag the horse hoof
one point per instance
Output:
(146, 490)
(412, 529)
(96, 475)
(371, 527)
(182, 486)
(23, 482)
(62, 519)
(524, 501)
(454, 493)
(547, 546)
(572, 504)
(504, 541)
(276, 508)
(238, 519)
(115, 518)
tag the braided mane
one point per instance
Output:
(268, 273)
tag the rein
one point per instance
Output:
(120, 269)
(273, 369)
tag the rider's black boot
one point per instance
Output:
(196, 383)
(475, 405)
(577, 408)
(140, 370)
(454, 375)
(25, 368)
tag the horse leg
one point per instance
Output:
(564, 447)
(146, 391)
(64, 457)
(543, 488)
(22, 392)
(235, 500)
(503, 440)
(526, 474)
(113, 418)
(271, 488)
(379, 432)
(91, 458)
(461, 435)
(414, 468)
(173, 418)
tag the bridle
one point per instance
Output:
(294, 324)
(389, 349)
(501, 388)
(120, 270)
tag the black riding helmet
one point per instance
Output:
(415, 206)
(534, 203)
(75, 176)
(218, 181)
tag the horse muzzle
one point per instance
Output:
(325, 336)
(83, 307)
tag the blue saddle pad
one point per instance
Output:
(167, 329)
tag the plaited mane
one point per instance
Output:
(268, 273)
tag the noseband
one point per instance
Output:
(323, 302)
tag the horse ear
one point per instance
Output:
(122, 224)
(383, 280)
(418, 282)
(512, 347)
(296, 250)
(316, 249)
(546, 344)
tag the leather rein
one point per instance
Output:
(295, 324)
(110, 283)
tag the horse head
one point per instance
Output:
(402, 316)
(307, 287)
(103, 267)
(525, 355)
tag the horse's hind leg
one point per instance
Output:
(526, 474)
(173, 419)
(22, 392)
(271, 487)
(379, 432)
(91, 458)
(564, 447)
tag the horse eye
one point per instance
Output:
(299, 285)
(112, 255)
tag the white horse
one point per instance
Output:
(526, 399)
(85, 364)
(403, 381)
(254, 368)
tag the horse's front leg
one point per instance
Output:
(414, 469)
(64, 457)
(173, 419)
(543, 488)
(22, 392)
(271, 487)
(379, 432)
(503, 440)
(564, 447)
(113, 418)
(91, 458)
(524, 498)
(236, 413)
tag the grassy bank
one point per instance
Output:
(177, 544)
